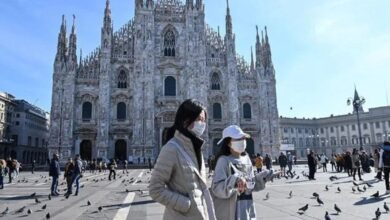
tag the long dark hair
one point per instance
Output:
(187, 113)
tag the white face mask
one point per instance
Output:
(239, 146)
(198, 128)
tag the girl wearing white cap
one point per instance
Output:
(234, 179)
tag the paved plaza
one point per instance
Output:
(127, 197)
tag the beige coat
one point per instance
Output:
(176, 186)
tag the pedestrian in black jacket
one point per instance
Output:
(312, 162)
(54, 172)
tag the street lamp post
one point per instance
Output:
(357, 103)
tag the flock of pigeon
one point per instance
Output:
(356, 188)
(26, 210)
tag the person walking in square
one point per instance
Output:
(234, 180)
(33, 167)
(178, 180)
(112, 166)
(384, 164)
(376, 157)
(312, 162)
(290, 162)
(76, 175)
(283, 163)
(54, 172)
(68, 174)
(268, 161)
(356, 164)
(3, 167)
(11, 169)
(324, 162)
(259, 163)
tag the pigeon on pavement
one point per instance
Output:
(20, 210)
(7, 209)
(327, 217)
(378, 213)
(338, 210)
(320, 202)
(304, 208)
(386, 207)
(375, 195)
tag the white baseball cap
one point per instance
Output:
(233, 131)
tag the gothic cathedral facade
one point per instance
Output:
(118, 101)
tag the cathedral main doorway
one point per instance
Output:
(86, 150)
(121, 150)
(250, 147)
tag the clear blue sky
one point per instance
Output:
(320, 49)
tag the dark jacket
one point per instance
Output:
(54, 170)
(78, 165)
(311, 160)
(283, 160)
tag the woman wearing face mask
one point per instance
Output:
(178, 180)
(234, 179)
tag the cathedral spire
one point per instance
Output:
(252, 63)
(189, 4)
(73, 42)
(258, 48)
(229, 26)
(149, 3)
(81, 57)
(199, 4)
(107, 24)
(266, 49)
(139, 3)
(62, 42)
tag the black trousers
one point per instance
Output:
(111, 172)
(386, 172)
(358, 171)
(312, 170)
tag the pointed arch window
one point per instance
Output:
(215, 82)
(247, 111)
(121, 111)
(122, 80)
(169, 44)
(217, 111)
(87, 111)
(170, 86)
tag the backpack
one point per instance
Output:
(386, 157)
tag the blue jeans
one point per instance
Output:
(54, 184)
(76, 177)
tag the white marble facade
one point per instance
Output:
(117, 101)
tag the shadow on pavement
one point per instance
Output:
(371, 200)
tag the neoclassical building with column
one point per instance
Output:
(337, 133)
(119, 100)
